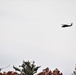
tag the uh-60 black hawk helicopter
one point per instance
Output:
(66, 25)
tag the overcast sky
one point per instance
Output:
(31, 30)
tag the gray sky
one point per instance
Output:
(31, 30)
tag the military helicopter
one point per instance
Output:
(4, 67)
(66, 25)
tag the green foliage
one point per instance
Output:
(28, 68)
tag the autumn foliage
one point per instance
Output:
(44, 72)
(49, 72)
(9, 73)
(29, 68)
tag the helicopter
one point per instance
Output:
(66, 25)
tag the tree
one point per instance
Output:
(74, 72)
(28, 68)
